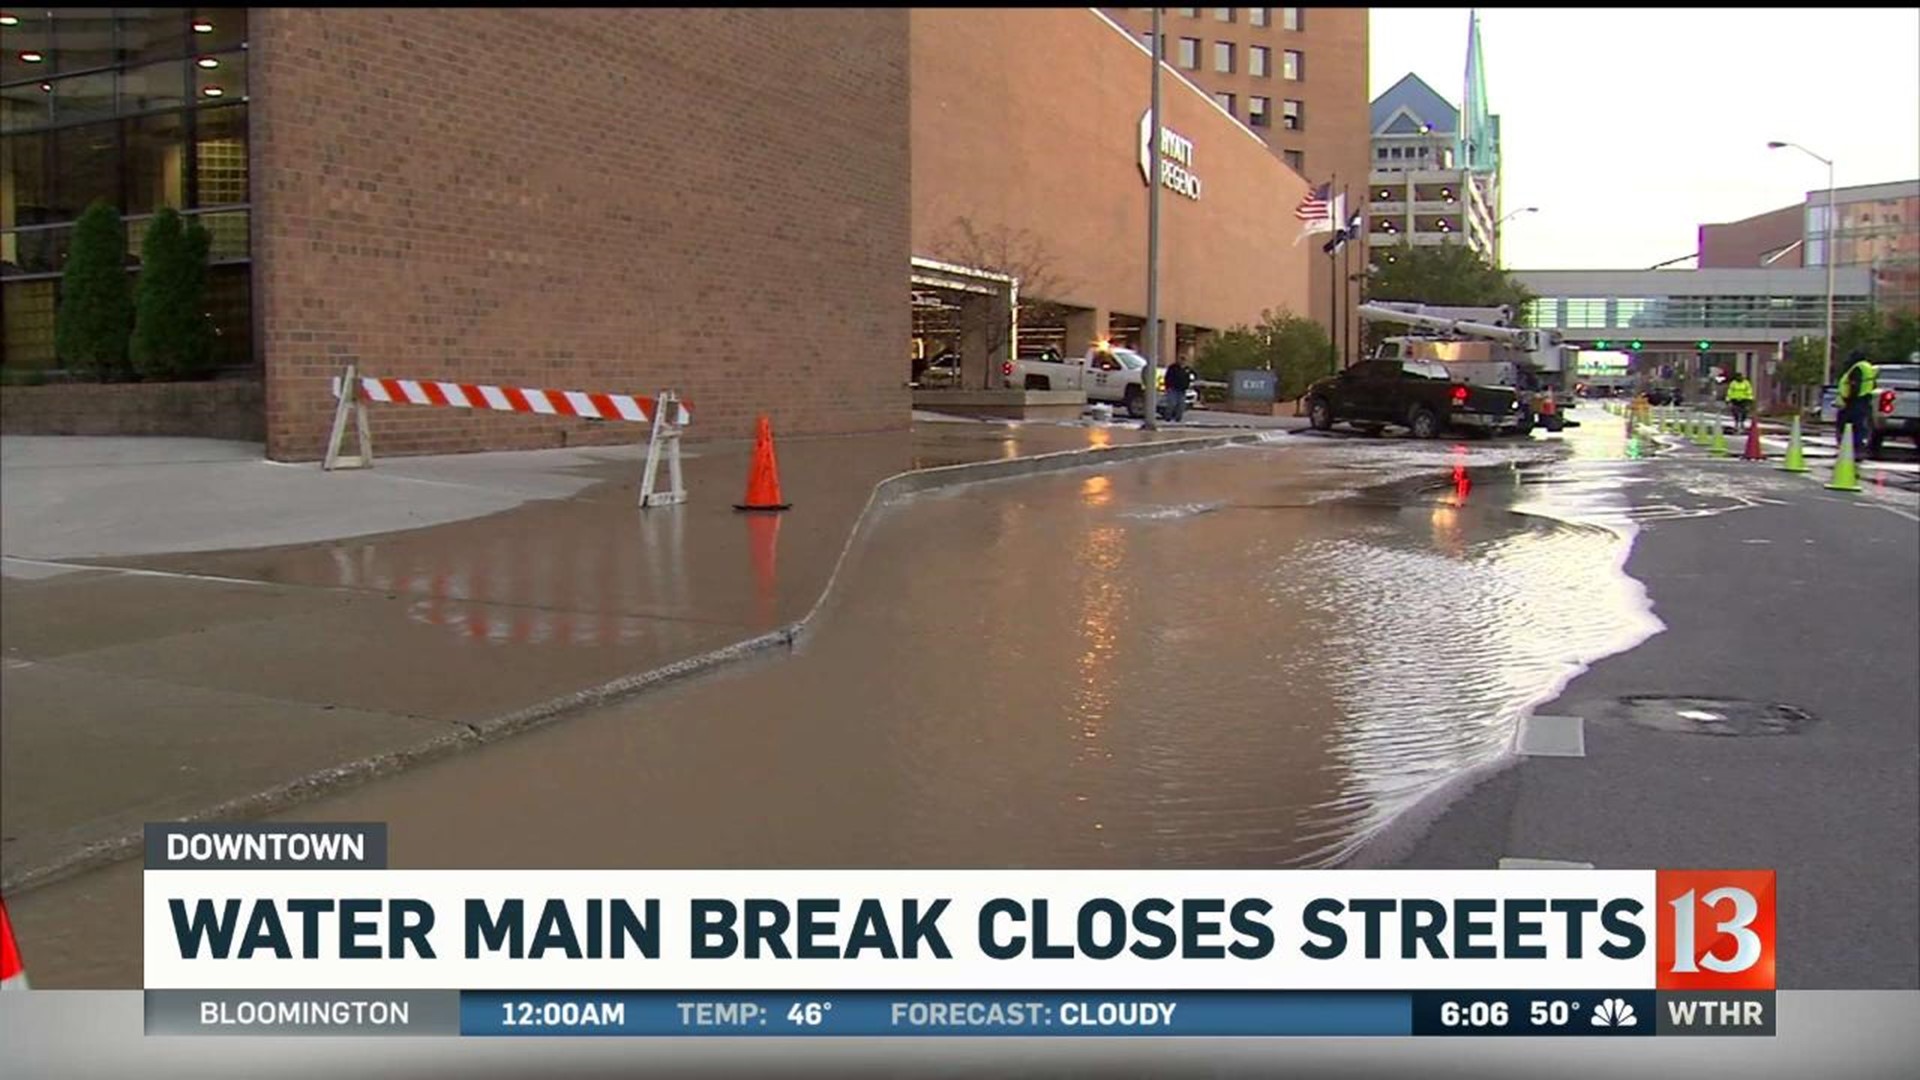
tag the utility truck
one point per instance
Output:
(1479, 345)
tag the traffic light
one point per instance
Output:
(1703, 346)
(1635, 345)
(1601, 344)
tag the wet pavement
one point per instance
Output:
(1246, 657)
(151, 686)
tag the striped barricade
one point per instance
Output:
(667, 413)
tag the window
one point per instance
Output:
(156, 162)
(1290, 18)
(143, 108)
(1259, 112)
(1189, 12)
(1223, 57)
(1296, 160)
(1380, 153)
(1190, 53)
(1293, 65)
(1226, 102)
(1292, 115)
(1223, 14)
(1147, 40)
(1259, 61)
(1258, 16)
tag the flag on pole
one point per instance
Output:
(1315, 209)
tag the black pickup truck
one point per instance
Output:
(1420, 395)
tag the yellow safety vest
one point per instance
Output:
(1868, 376)
(1739, 390)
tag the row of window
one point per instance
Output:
(1186, 56)
(213, 79)
(1260, 111)
(41, 43)
(1653, 313)
(1291, 18)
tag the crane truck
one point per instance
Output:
(1478, 345)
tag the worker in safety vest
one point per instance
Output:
(1739, 400)
(1855, 400)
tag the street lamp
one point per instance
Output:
(1503, 221)
(1830, 254)
(1150, 381)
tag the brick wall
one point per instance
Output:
(1746, 243)
(612, 199)
(227, 409)
(1030, 118)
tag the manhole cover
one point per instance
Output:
(1715, 716)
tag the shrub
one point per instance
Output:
(171, 337)
(95, 316)
(1295, 348)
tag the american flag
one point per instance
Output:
(1314, 206)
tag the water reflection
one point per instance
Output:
(1078, 681)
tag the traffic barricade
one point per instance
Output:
(667, 413)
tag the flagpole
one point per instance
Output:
(1346, 271)
(1333, 294)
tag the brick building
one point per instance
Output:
(419, 191)
(1877, 227)
(1054, 153)
(1297, 77)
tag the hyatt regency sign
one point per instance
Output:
(1176, 159)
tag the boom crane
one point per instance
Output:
(1444, 334)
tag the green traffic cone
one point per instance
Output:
(1795, 461)
(1699, 432)
(1845, 476)
(1719, 439)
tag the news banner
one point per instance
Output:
(302, 930)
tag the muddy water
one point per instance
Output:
(1249, 657)
(1237, 658)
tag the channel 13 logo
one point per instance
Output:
(1716, 929)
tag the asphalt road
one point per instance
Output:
(1808, 599)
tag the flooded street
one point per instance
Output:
(1232, 658)
(1253, 656)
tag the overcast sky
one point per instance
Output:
(1631, 127)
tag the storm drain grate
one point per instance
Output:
(1715, 716)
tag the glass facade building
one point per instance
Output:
(143, 107)
(1790, 315)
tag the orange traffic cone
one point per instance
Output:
(13, 974)
(1753, 443)
(763, 476)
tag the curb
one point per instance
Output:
(334, 778)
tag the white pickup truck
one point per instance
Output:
(1107, 373)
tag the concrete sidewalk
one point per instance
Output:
(190, 630)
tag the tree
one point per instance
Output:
(95, 316)
(1802, 367)
(1294, 348)
(1449, 275)
(171, 338)
(1444, 275)
(1887, 338)
(1017, 253)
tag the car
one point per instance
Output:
(941, 373)
(1108, 373)
(1896, 406)
(1420, 395)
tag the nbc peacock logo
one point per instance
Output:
(1613, 1012)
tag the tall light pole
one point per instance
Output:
(1150, 388)
(1498, 254)
(1830, 252)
